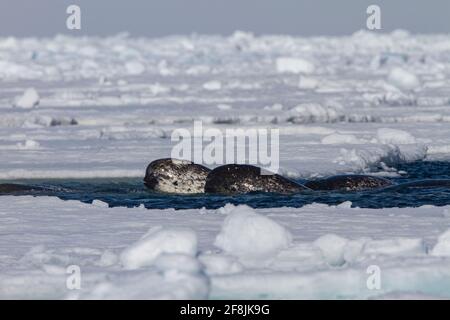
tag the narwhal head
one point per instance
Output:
(175, 176)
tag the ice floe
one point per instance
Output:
(234, 251)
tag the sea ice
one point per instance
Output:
(337, 138)
(403, 79)
(212, 85)
(294, 65)
(248, 234)
(394, 136)
(308, 83)
(156, 241)
(332, 247)
(29, 144)
(134, 68)
(28, 100)
(442, 247)
(310, 261)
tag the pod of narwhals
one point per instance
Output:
(184, 177)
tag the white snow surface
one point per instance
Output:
(100, 99)
(86, 107)
(318, 251)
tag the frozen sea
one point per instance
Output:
(86, 115)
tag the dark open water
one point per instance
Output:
(132, 192)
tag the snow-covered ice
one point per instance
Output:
(29, 99)
(250, 235)
(332, 248)
(294, 65)
(394, 136)
(156, 242)
(442, 247)
(318, 251)
(100, 96)
(403, 79)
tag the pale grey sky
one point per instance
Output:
(154, 18)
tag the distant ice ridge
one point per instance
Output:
(71, 58)
(232, 252)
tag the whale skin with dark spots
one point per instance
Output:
(239, 179)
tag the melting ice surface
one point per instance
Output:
(130, 192)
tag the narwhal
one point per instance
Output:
(176, 176)
(182, 177)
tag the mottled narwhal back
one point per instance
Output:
(350, 182)
(176, 176)
(12, 188)
(239, 179)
